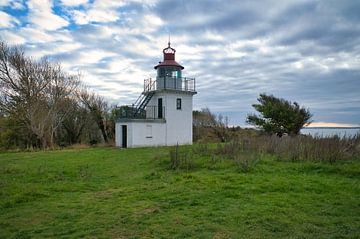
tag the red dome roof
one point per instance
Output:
(169, 58)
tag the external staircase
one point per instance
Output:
(142, 101)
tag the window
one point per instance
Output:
(178, 104)
(148, 131)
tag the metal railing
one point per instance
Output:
(155, 112)
(149, 85)
(130, 112)
(172, 83)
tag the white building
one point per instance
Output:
(162, 115)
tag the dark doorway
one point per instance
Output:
(160, 108)
(124, 136)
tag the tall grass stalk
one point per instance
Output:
(300, 148)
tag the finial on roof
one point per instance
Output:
(169, 57)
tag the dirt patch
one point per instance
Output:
(103, 194)
(150, 210)
(220, 235)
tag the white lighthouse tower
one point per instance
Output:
(162, 115)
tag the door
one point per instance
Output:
(124, 136)
(160, 108)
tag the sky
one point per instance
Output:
(303, 51)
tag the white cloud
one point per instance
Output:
(73, 3)
(80, 17)
(102, 15)
(85, 57)
(4, 2)
(54, 48)
(34, 35)
(15, 4)
(93, 56)
(42, 16)
(95, 15)
(6, 20)
(151, 22)
(145, 2)
(99, 11)
(331, 124)
(12, 38)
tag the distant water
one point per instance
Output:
(329, 131)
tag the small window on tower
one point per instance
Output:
(178, 104)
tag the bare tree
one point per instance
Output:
(75, 124)
(36, 92)
(60, 92)
(206, 119)
(22, 84)
(98, 108)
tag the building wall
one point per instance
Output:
(178, 122)
(177, 128)
(118, 134)
(141, 134)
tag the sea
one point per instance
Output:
(330, 131)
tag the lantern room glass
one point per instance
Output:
(166, 71)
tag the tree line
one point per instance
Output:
(42, 106)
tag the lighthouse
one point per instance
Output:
(162, 115)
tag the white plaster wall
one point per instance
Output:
(118, 134)
(177, 129)
(138, 135)
(178, 122)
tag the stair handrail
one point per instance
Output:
(138, 101)
(146, 100)
(149, 85)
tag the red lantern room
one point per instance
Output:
(169, 59)
(169, 74)
(169, 67)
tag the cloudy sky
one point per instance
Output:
(304, 51)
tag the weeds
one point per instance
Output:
(181, 160)
(202, 149)
(246, 161)
(305, 148)
(84, 172)
(246, 151)
(213, 157)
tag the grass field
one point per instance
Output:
(114, 193)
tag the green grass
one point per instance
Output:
(114, 193)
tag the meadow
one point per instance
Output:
(144, 193)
